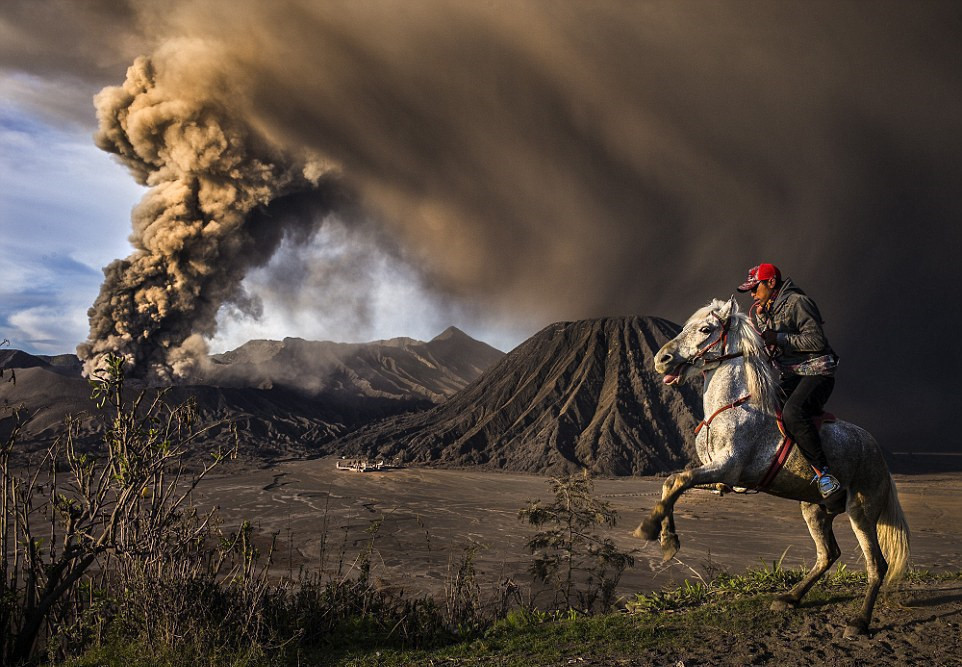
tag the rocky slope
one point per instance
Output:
(576, 395)
(289, 397)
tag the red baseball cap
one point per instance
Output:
(758, 274)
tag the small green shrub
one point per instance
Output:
(582, 568)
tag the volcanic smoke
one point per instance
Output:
(207, 218)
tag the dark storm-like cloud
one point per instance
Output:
(577, 158)
(566, 160)
(67, 50)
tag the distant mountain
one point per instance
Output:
(577, 394)
(287, 397)
(400, 368)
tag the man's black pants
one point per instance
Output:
(806, 397)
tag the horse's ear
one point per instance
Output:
(733, 305)
(728, 309)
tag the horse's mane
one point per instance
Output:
(761, 375)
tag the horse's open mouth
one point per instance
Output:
(674, 375)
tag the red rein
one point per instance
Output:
(735, 404)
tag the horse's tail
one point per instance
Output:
(893, 536)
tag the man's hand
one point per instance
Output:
(770, 337)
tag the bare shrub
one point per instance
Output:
(70, 526)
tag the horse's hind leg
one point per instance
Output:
(875, 566)
(819, 522)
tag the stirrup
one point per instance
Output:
(827, 484)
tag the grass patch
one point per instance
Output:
(718, 611)
(659, 625)
(765, 579)
(523, 639)
(927, 576)
(121, 653)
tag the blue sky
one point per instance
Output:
(65, 213)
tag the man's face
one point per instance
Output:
(762, 292)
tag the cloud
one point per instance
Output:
(343, 285)
(57, 190)
(42, 328)
(515, 152)
(43, 303)
(61, 224)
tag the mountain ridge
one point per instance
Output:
(392, 368)
(289, 397)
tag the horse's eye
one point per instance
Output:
(705, 329)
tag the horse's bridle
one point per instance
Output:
(724, 356)
(723, 339)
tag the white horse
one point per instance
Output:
(739, 445)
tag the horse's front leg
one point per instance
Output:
(660, 524)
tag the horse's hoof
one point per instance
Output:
(669, 546)
(855, 629)
(783, 604)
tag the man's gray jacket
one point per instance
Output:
(803, 347)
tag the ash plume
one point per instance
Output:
(221, 200)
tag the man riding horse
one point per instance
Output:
(739, 444)
(791, 326)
